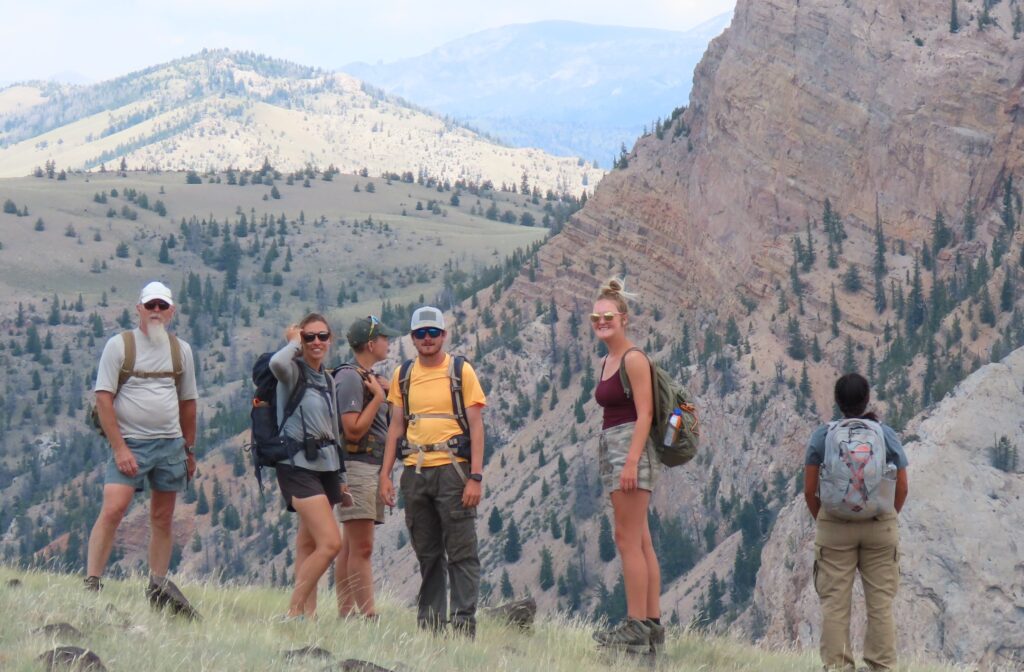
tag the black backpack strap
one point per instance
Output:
(458, 401)
(295, 398)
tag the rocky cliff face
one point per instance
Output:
(879, 108)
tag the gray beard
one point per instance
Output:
(156, 333)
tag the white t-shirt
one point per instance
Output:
(146, 408)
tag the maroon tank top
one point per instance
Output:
(611, 396)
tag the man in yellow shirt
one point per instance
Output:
(437, 426)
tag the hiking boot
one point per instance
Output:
(631, 636)
(163, 593)
(657, 636)
(92, 583)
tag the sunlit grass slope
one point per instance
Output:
(237, 633)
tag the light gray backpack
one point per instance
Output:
(855, 481)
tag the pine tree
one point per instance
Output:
(1006, 293)
(606, 541)
(849, 358)
(513, 549)
(834, 312)
(987, 313)
(797, 346)
(546, 577)
(954, 19)
(970, 220)
(569, 533)
(494, 521)
(915, 301)
(506, 585)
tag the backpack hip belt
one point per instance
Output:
(364, 446)
(450, 446)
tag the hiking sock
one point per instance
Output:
(656, 621)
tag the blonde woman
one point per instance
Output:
(629, 466)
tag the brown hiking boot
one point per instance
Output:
(631, 636)
(93, 584)
(163, 593)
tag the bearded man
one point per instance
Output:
(146, 407)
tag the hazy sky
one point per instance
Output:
(104, 39)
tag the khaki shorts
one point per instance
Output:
(363, 479)
(613, 447)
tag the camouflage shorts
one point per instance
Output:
(613, 447)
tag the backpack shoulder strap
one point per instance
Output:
(176, 360)
(455, 366)
(404, 383)
(295, 398)
(622, 371)
(128, 363)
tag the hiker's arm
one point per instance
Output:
(902, 489)
(356, 425)
(282, 364)
(123, 457)
(811, 489)
(638, 370)
(187, 418)
(396, 430)
(474, 490)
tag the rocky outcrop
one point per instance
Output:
(962, 587)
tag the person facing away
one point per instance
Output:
(628, 466)
(442, 475)
(312, 480)
(364, 417)
(844, 547)
(147, 412)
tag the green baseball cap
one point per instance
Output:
(365, 329)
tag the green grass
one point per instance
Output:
(236, 634)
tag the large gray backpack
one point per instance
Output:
(855, 482)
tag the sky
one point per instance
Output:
(101, 40)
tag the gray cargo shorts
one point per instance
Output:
(161, 461)
(612, 449)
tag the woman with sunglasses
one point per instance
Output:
(311, 481)
(628, 466)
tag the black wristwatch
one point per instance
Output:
(476, 477)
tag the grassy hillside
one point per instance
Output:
(236, 634)
(221, 108)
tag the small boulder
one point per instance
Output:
(307, 652)
(353, 665)
(519, 613)
(65, 658)
(58, 630)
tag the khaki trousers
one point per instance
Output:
(843, 548)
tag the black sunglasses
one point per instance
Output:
(423, 332)
(156, 304)
(309, 337)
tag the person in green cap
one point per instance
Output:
(363, 414)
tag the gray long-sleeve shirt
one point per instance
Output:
(315, 410)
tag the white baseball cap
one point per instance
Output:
(427, 316)
(156, 290)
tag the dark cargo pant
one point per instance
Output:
(443, 535)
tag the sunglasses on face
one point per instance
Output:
(603, 317)
(433, 332)
(156, 304)
(309, 337)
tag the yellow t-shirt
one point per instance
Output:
(430, 392)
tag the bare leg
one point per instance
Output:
(161, 514)
(116, 499)
(359, 534)
(653, 575)
(342, 586)
(317, 523)
(304, 545)
(630, 523)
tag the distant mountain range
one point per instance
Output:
(223, 108)
(569, 88)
